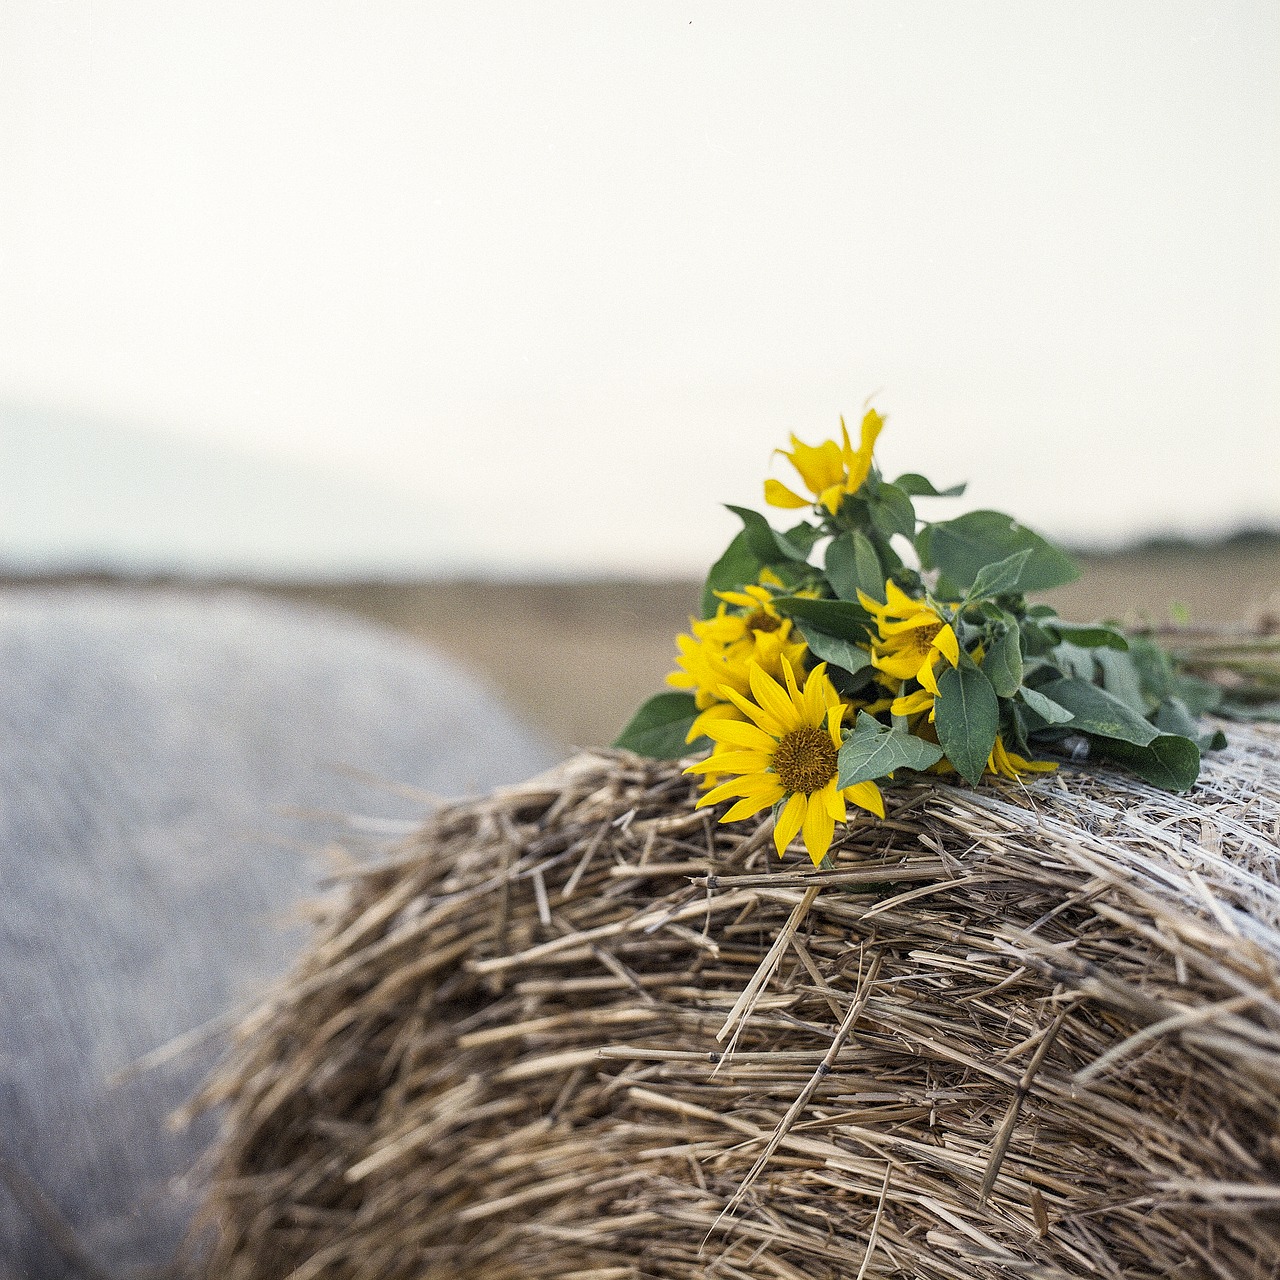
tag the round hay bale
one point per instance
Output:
(164, 756)
(577, 1029)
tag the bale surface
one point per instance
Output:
(165, 759)
(576, 1029)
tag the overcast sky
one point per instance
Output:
(567, 273)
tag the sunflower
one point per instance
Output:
(912, 639)
(1008, 764)
(754, 612)
(829, 470)
(786, 750)
(721, 650)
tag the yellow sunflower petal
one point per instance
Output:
(820, 466)
(812, 703)
(776, 494)
(866, 795)
(789, 678)
(749, 806)
(832, 496)
(725, 791)
(757, 715)
(928, 677)
(834, 716)
(1010, 764)
(714, 717)
(739, 733)
(789, 822)
(733, 762)
(770, 696)
(1033, 766)
(899, 603)
(833, 798)
(873, 607)
(819, 827)
(922, 618)
(753, 784)
(872, 426)
(860, 463)
(901, 666)
(947, 644)
(912, 703)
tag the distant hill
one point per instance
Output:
(1251, 541)
(81, 495)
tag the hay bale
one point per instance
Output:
(1016, 1032)
(159, 754)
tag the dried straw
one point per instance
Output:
(1015, 1032)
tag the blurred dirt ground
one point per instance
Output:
(577, 658)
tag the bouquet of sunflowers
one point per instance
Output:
(862, 644)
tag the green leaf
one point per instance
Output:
(841, 566)
(1098, 712)
(967, 716)
(1090, 636)
(852, 686)
(1199, 695)
(852, 564)
(961, 547)
(1159, 680)
(871, 751)
(766, 543)
(843, 619)
(918, 487)
(738, 566)
(1003, 663)
(892, 512)
(1002, 578)
(1169, 760)
(1174, 716)
(838, 652)
(871, 571)
(1048, 710)
(1075, 661)
(1121, 679)
(1014, 719)
(1037, 640)
(804, 535)
(1246, 710)
(995, 613)
(659, 727)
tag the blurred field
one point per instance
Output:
(577, 658)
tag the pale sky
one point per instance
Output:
(567, 273)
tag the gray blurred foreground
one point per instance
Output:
(150, 746)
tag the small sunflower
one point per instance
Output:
(829, 470)
(912, 639)
(721, 650)
(786, 750)
(1008, 764)
(755, 610)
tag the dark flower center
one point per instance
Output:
(761, 621)
(922, 638)
(805, 760)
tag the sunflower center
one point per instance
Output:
(805, 760)
(761, 621)
(922, 638)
